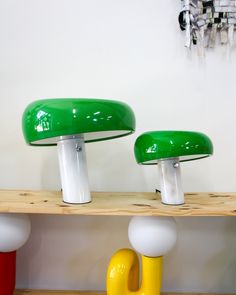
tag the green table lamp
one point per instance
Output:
(168, 149)
(69, 124)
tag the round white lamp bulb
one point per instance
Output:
(14, 231)
(152, 236)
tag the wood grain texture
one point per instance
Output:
(46, 292)
(105, 203)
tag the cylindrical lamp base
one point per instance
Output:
(170, 182)
(73, 170)
(7, 273)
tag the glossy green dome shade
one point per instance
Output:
(157, 145)
(46, 121)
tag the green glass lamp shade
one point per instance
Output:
(157, 145)
(46, 121)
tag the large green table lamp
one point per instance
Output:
(69, 124)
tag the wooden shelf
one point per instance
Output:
(126, 204)
(46, 292)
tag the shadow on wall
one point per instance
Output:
(193, 177)
(50, 174)
(204, 259)
(112, 166)
(224, 260)
(73, 252)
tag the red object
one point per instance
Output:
(7, 273)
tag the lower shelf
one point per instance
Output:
(47, 292)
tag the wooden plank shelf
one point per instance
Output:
(47, 292)
(122, 204)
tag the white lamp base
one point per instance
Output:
(73, 171)
(170, 182)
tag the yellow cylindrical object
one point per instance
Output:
(123, 274)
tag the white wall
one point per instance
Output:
(130, 50)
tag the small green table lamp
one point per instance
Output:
(168, 149)
(69, 123)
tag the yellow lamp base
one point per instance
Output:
(123, 274)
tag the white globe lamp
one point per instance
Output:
(152, 236)
(14, 232)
